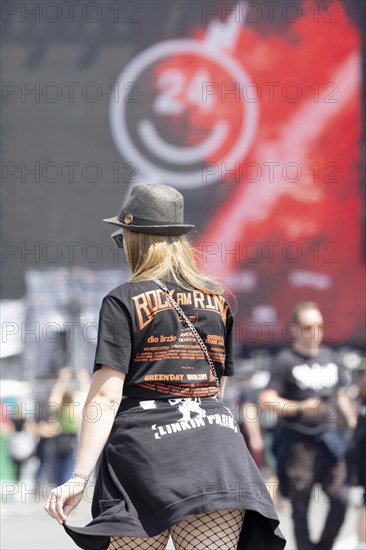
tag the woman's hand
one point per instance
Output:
(64, 498)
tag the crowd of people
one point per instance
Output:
(50, 434)
(308, 431)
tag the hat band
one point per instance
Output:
(145, 222)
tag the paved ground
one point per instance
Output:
(25, 526)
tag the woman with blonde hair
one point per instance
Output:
(173, 462)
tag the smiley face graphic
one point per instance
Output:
(185, 109)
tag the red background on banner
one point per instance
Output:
(288, 231)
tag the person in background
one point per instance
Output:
(252, 431)
(7, 466)
(69, 404)
(257, 428)
(45, 451)
(22, 441)
(306, 391)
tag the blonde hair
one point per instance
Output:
(166, 256)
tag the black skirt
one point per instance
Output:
(168, 459)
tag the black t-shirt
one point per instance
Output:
(298, 377)
(140, 333)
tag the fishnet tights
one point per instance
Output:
(218, 530)
(134, 543)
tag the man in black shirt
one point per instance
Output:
(305, 391)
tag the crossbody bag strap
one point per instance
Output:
(190, 325)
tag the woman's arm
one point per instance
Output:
(99, 411)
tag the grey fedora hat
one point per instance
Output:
(153, 208)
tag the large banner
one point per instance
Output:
(251, 109)
(260, 116)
